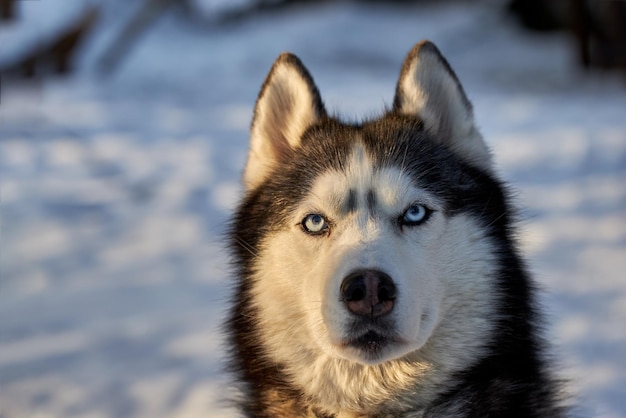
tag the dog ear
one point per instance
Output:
(429, 88)
(288, 104)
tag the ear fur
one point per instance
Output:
(288, 104)
(428, 88)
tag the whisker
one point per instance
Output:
(246, 246)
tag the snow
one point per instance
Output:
(210, 9)
(115, 195)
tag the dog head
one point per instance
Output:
(368, 243)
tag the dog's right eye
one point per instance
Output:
(314, 224)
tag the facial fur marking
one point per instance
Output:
(371, 201)
(351, 204)
(352, 201)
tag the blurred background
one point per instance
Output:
(124, 129)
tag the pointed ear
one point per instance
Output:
(429, 89)
(288, 104)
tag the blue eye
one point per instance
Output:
(415, 215)
(314, 224)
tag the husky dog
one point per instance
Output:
(378, 274)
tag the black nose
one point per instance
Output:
(368, 293)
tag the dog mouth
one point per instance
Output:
(370, 341)
(370, 344)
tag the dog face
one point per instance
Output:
(365, 238)
(367, 243)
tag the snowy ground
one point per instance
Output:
(115, 193)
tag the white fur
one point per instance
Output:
(442, 268)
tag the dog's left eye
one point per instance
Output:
(415, 215)
(314, 224)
